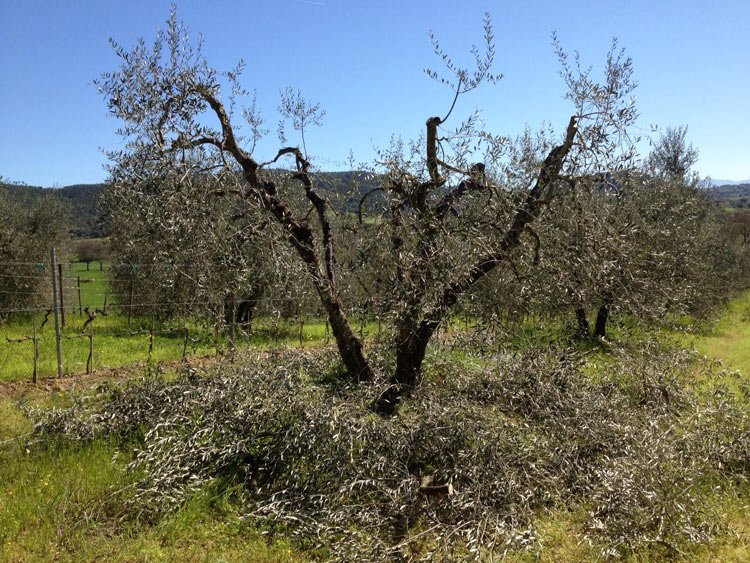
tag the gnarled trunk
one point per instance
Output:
(243, 308)
(584, 329)
(413, 334)
(600, 328)
(411, 347)
(349, 345)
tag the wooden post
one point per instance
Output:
(232, 323)
(36, 353)
(185, 343)
(90, 360)
(57, 317)
(80, 305)
(151, 339)
(130, 300)
(60, 287)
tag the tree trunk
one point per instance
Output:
(600, 329)
(414, 335)
(584, 329)
(244, 308)
(411, 347)
(350, 347)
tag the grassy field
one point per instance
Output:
(118, 343)
(58, 502)
(729, 338)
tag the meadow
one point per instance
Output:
(119, 341)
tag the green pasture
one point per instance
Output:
(119, 343)
(92, 282)
(728, 338)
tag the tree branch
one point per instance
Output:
(451, 198)
(362, 201)
(548, 174)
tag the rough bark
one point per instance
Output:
(584, 329)
(244, 307)
(602, 316)
(301, 236)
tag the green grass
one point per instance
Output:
(729, 338)
(93, 284)
(117, 344)
(68, 502)
(60, 503)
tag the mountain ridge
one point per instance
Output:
(86, 222)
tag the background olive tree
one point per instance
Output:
(647, 242)
(27, 234)
(183, 245)
(91, 250)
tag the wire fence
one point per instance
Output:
(123, 327)
(127, 326)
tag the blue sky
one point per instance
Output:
(363, 61)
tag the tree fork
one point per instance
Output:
(413, 337)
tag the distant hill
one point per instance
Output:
(81, 200)
(717, 183)
(732, 195)
(345, 191)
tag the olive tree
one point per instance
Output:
(643, 241)
(672, 155)
(27, 233)
(640, 245)
(179, 247)
(91, 250)
(448, 221)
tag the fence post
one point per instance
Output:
(80, 306)
(130, 300)
(90, 360)
(57, 317)
(36, 352)
(232, 324)
(60, 288)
